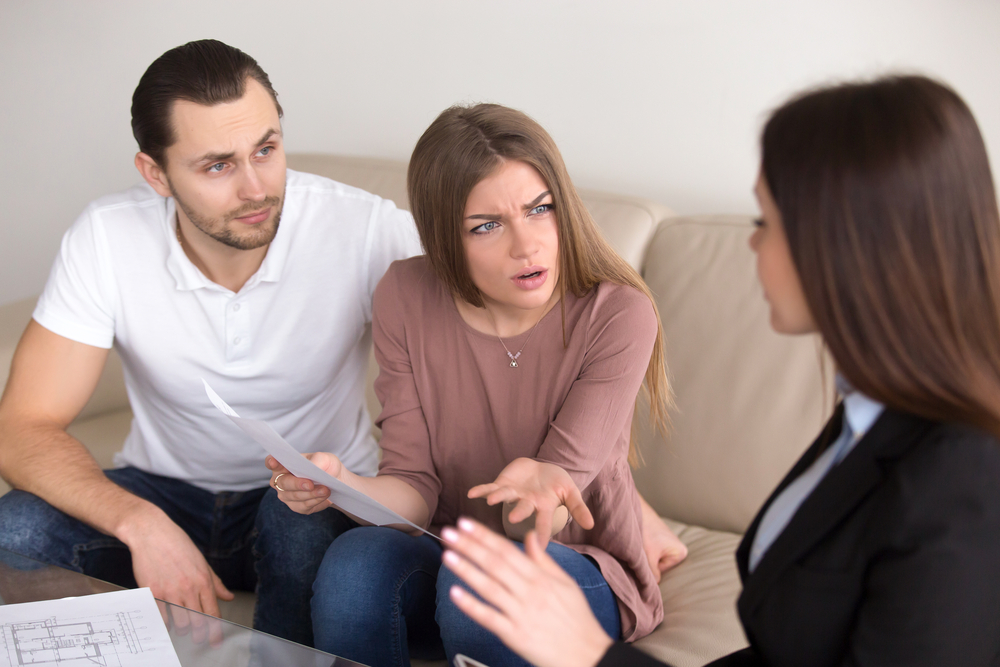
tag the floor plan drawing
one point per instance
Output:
(50, 642)
(119, 629)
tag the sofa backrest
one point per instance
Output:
(749, 401)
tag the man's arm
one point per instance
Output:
(51, 379)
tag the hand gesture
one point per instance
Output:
(532, 605)
(538, 489)
(303, 495)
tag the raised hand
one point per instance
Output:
(532, 605)
(539, 489)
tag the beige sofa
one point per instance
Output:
(748, 400)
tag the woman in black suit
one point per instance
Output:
(880, 230)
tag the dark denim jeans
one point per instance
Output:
(251, 540)
(381, 595)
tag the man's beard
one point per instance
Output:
(255, 237)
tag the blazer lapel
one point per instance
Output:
(837, 494)
(829, 433)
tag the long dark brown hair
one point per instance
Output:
(463, 146)
(890, 211)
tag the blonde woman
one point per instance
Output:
(510, 357)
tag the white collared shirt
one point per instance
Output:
(291, 347)
(860, 412)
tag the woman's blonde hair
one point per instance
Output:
(463, 146)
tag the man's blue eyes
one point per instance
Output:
(219, 166)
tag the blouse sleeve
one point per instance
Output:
(405, 438)
(600, 403)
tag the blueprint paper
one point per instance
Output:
(343, 496)
(119, 629)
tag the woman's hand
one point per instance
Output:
(663, 549)
(538, 489)
(303, 495)
(537, 609)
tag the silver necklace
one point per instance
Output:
(513, 357)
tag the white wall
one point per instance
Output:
(662, 99)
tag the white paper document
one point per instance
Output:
(341, 495)
(119, 629)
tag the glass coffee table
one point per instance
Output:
(198, 639)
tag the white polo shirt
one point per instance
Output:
(291, 347)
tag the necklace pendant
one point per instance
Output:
(513, 363)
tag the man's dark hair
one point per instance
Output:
(205, 72)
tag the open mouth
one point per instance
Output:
(531, 277)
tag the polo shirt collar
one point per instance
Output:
(188, 277)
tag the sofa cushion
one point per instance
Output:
(699, 601)
(749, 401)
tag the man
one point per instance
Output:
(225, 267)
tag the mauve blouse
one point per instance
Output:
(454, 413)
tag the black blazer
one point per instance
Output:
(894, 559)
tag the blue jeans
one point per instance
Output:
(381, 595)
(250, 538)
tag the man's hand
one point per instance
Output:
(532, 605)
(166, 560)
(663, 549)
(538, 489)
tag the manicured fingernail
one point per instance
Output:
(450, 557)
(466, 525)
(456, 592)
(449, 535)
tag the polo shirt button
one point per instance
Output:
(236, 341)
(236, 307)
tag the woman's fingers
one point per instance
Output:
(578, 509)
(535, 551)
(481, 490)
(494, 493)
(522, 510)
(543, 526)
(483, 614)
(537, 609)
(489, 552)
(486, 586)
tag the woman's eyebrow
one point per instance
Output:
(534, 202)
(493, 216)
